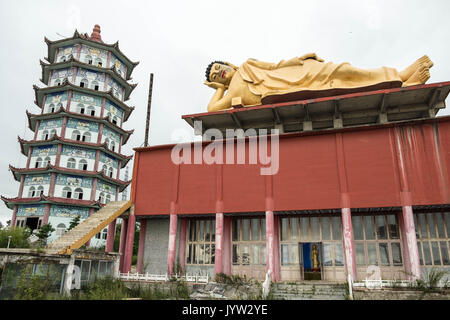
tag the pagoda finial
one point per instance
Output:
(95, 35)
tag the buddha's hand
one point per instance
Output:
(215, 85)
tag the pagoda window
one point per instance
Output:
(60, 229)
(108, 198)
(102, 197)
(52, 133)
(67, 193)
(79, 193)
(99, 62)
(31, 192)
(71, 163)
(80, 108)
(38, 162)
(76, 135)
(40, 191)
(59, 106)
(84, 83)
(51, 108)
(82, 165)
(114, 120)
(86, 137)
(47, 161)
(45, 135)
(107, 142)
(110, 172)
(104, 168)
(57, 82)
(88, 59)
(63, 59)
(91, 111)
(112, 146)
(95, 85)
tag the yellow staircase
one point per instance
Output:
(82, 233)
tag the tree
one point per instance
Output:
(74, 222)
(44, 232)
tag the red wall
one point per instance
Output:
(369, 166)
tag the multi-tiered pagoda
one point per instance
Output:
(75, 158)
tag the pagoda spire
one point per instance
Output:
(95, 35)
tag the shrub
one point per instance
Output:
(19, 237)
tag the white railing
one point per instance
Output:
(163, 277)
(379, 284)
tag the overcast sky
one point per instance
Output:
(176, 40)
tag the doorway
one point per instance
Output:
(32, 223)
(310, 259)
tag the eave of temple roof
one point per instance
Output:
(83, 39)
(63, 112)
(10, 202)
(40, 92)
(17, 172)
(25, 144)
(46, 68)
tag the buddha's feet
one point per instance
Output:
(417, 73)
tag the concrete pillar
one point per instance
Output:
(410, 250)
(349, 250)
(172, 242)
(218, 263)
(182, 248)
(272, 247)
(68, 277)
(226, 250)
(110, 237)
(140, 260)
(123, 236)
(128, 256)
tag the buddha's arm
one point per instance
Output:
(219, 101)
(283, 63)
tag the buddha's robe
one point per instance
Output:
(311, 73)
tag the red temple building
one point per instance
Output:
(362, 180)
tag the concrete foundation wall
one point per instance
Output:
(200, 270)
(156, 246)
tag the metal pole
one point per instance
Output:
(9, 240)
(147, 123)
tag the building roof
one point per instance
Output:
(95, 41)
(66, 85)
(10, 202)
(414, 102)
(72, 62)
(17, 172)
(25, 144)
(32, 118)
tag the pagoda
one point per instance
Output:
(74, 159)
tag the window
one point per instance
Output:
(104, 169)
(88, 59)
(60, 229)
(201, 242)
(84, 83)
(47, 161)
(433, 238)
(112, 146)
(62, 59)
(67, 192)
(80, 108)
(108, 198)
(325, 229)
(51, 108)
(59, 106)
(95, 85)
(377, 240)
(44, 135)
(114, 120)
(57, 82)
(71, 163)
(82, 165)
(86, 137)
(76, 135)
(249, 241)
(99, 62)
(52, 133)
(91, 111)
(102, 197)
(31, 192)
(38, 162)
(102, 235)
(107, 145)
(78, 193)
(110, 172)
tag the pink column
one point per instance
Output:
(46, 214)
(123, 237)
(410, 250)
(110, 237)
(140, 259)
(182, 248)
(226, 252)
(271, 246)
(218, 265)
(14, 215)
(349, 251)
(172, 242)
(129, 242)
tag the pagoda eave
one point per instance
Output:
(10, 202)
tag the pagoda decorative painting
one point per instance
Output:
(75, 158)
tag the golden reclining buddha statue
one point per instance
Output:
(257, 82)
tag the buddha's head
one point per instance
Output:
(221, 72)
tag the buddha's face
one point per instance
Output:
(221, 73)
